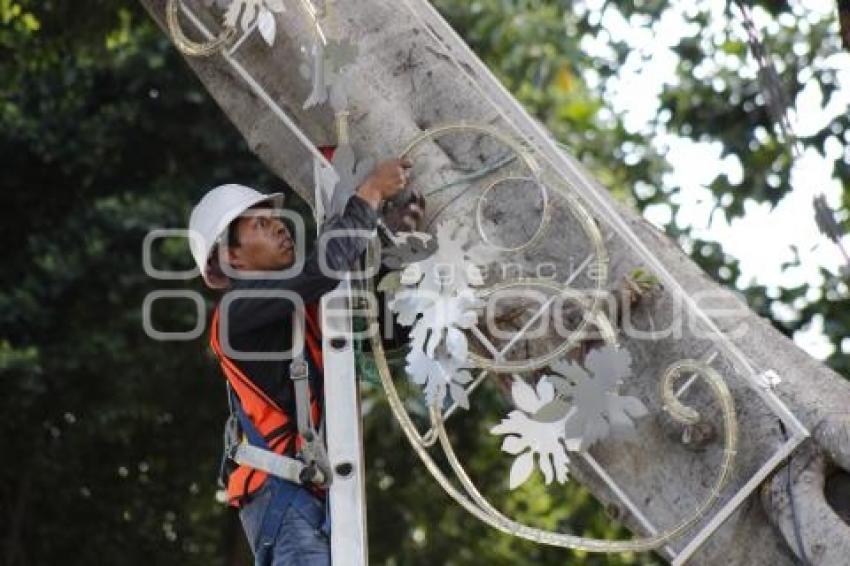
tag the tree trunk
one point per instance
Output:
(844, 22)
(404, 81)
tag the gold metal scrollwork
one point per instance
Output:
(186, 45)
(469, 496)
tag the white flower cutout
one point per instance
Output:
(221, 4)
(588, 395)
(439, 375)
(408, 248)
(439, 348)
(440, 321)
(568, 411)
(324, 71)
(436, 299)
(259, 11)
(527, 438)
(351, 172)
(455, 263)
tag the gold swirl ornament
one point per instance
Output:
(188, 46)
(468, 496)
(592, 304)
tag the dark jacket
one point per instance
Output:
(263, 325)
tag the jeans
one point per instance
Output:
(300, 541)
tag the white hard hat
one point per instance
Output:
(214, 213)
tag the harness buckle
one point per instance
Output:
(317, 465)
(298, 369)
(231, 436)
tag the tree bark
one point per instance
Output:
(844, 22)
(402, 83)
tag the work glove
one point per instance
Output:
(405, 215)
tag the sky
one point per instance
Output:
(762, 239)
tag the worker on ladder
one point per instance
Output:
(266, 335)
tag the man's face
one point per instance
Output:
(265, 243)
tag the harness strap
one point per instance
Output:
(285, 475)
(299, 372)
(313, 449)
(252, 453)
(283, 494)
(270, 462)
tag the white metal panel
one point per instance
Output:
(344, 436)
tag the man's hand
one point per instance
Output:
(387, 180)
(407, 216)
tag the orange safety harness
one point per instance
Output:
(275, 424)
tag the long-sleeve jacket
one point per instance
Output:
(246, 323)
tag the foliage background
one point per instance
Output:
(111, 440)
